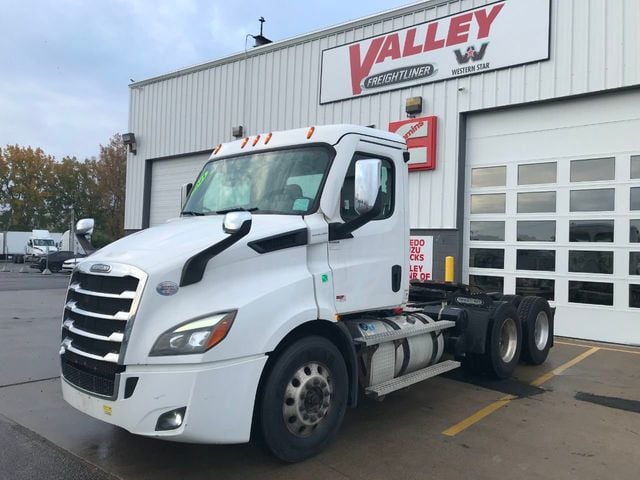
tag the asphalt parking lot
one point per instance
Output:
(575, 417)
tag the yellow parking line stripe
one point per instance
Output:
(609, 349)
(498, 404)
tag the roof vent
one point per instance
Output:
(260, 39)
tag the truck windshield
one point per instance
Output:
(41, 242)
(282, 182)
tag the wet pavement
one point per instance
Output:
(581, 423)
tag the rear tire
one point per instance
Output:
(504, 343)
(304, 399)
(513, 299)
(537, 329)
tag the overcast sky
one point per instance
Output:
(65, 64)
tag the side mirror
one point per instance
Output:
(85, 226)
(367, 184)
(234, 221)
(184, 193)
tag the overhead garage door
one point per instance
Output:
(552, 208)
(167, 176)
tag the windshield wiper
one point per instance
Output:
(236, 209)
(193, 214)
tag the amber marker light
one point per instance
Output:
(268, 138)
(244, 142)
(217, 149)
(255, 141)
(310, 132)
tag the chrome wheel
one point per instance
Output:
(541, 331)
(307, 399)
(508, 340)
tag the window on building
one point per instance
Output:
(593, 169)
(591, 231)
(486, 258)
(537, 231)
(586, 261)
(537, 173)
(486, 231)
(600, 200)
(347, 194)
(635, 199)
(488, 203)
(635, 166)
(487, 283)
(592, 293)
(634, 263)
(634, 231)
(543, 260)
(489, 177)
(634, 296)
(537, 202)
(540, 287)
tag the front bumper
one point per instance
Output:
(219, 398)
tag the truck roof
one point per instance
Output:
(330, 134)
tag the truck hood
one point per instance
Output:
(180, 239)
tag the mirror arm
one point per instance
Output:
(86, 244)
(340, 231)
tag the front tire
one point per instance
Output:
(304, 399)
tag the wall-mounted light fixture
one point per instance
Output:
(130, 139)
(238, 131)
(413, 105)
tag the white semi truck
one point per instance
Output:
(278, 298)
(28, 246)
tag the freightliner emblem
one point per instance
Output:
(100, 268)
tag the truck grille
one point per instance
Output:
(97, 316)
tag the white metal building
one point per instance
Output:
(535, 106)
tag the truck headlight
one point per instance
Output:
(194, 336)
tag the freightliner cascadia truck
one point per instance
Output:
(279, 298)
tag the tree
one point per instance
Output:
(73, 190)
(110, 175)
(25, 178)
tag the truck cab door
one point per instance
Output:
(369, 269)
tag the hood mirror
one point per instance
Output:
(234, 221)
(85, 226)
(184, 194)
(367, 184)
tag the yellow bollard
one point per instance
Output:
(448, 269)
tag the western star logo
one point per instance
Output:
(471, 54)
(404, 44)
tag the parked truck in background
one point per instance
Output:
(278, 298)
(28, 246)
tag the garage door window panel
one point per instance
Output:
(592, 293)
(486, 258)
(537, 173)
(586, 261)
(593, 170)
(540, 260)
(486, 231)
(634, 263)
(635, 199)
(597, 200)
(487, 283)
(489, 177)
(541, 287)
(634, 296)
(537, 231)
(634, 231)
(591, 231)
(488, 203)
(635, 166)
(537, 202)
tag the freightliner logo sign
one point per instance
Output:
(497, 35)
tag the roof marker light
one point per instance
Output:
(267, 138)
(244, 142)
(310, 132)
(217, 149)
(255, 141)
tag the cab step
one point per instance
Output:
(404, 381)
(378, 338)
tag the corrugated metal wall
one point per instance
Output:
(594, 47)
